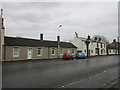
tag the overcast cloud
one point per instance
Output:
(29, 19)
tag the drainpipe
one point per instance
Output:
(48, 53)
(4, 52)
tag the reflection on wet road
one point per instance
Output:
(53, 73)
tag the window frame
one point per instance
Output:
(92, 51)
(73, 51)
(104, 45)
(61, 50)
(101, 51)
(109, 50)
(101, 45)
(69, 51)
(18, 53)
(52, 50)
(40, 51)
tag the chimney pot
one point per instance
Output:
(58, 38)
(41, 36)
(88, 37)
(95, 38)
(99, 39)
(114, 40)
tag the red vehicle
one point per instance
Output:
(67, 56)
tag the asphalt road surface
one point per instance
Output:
(59, 73)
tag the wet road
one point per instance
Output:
(53, 73)
(0, 75)
(105, 79)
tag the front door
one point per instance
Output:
(97, 51)
(29, 56)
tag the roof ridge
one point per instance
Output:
(36, 39)
(19, 41)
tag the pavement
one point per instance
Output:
(57, 73)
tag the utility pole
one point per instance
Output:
(58, 40)
(118, 46)
(1, 35)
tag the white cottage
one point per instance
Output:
(113, 48)
(97, 46)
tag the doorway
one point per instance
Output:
(29, 54)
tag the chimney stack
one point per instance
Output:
(95, 38)
(58, 38)
(2, 19)
(1, 12)
(3, 23)
(41, 36)
(114, 40)
(88, 37)
(99, 39)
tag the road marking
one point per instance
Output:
(83, 79)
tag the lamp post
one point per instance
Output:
(58, 39)
(118, 46)
(87, 42)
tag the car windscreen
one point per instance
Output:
(80, 53)
(68, 54)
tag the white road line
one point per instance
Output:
(83, 79)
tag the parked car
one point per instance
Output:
(67, 56)
(80, 55)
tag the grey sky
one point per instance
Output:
(29, 19)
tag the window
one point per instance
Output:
(39, 52)
(113, 50)
(73, 51)
(85, 50)
(101, 45)
(110, 50)
(68, 51)
(99, 39)
(61, 51)
(104, 51)
(53, 51)
(101, 51)
(104, 45)
(97, 50)
(97, 45)
(91, 51)
(16, 52)
(95, 38)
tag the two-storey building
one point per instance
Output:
(97, 46)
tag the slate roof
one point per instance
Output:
(18, 41)
(114, 45)
(91, 40)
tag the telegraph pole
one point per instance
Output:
(118, 46)
(58, 40)
(1, 34)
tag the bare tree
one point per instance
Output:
(103, 38)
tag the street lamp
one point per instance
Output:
(118, 47)
(58, 39)
(87, 42)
